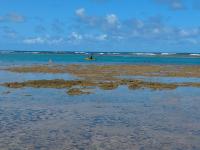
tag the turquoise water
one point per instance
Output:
(18, 58)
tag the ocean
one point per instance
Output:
(122, 118)
(100, 57)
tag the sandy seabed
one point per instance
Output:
(39, 115)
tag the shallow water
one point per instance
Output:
(49, 119)
(6, 76)
(120, 119)
(163, 79)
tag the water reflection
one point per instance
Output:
(117, 119)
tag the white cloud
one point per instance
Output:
(173, 4)
(102, 37)
(80, 12)
(108, 22)
(56, 40)
(35, 40)
(43, 40)
(156, 30)
(152, 28)
(138, 23)
(112, 19)
(189, 32)
(76, 36)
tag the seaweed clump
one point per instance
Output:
(108, 85)
(57, 83)
(78, 87)
(152, 85)
(109, 72)
(77, 91)
(160, 86)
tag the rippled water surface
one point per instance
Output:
(120, 119)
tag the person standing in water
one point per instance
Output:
(91, 57)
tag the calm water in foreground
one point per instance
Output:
(120, 119)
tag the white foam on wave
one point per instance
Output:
(148, 54)
(35, 52)
(79, 52)
(151, 54)
(139, 53)
(168, 53)
(165, 53)
(194, 54)
(27, 52)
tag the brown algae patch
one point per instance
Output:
(57, 83)
(152, 85)
(77, 91)
(106, 77)
(109, 72)
(108, 85)
(78, 87)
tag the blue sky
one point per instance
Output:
(100, 25)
